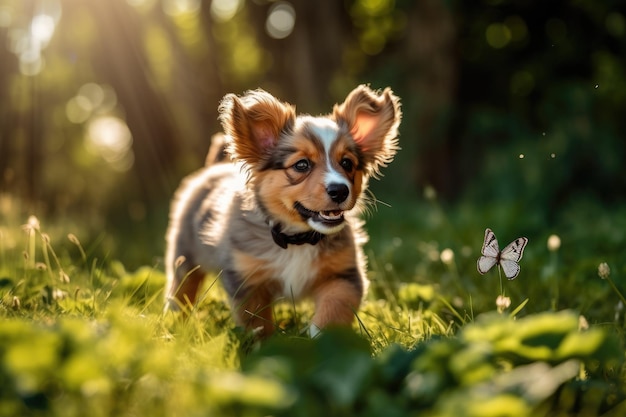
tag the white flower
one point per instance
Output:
(554, 243)
(503, 303)
(447, 256)
(603, 270)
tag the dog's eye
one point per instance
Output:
(302, 165)
(347, 164)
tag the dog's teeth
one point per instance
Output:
(331, 215)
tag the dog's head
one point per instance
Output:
(307, 171)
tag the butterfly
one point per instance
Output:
(508, 258)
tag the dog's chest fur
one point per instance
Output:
(295, 268)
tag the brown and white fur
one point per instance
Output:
(280, 221)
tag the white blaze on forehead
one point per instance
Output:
(327, 131)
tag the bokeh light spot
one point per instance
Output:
(91, 99)
(93, 93)
(224, 10)
(375, 7)
(31, 62)
(178, 7)
(78, 109)
(110, 137)
(42, 29)
(281, 20)
(498, 35)
(372, 42)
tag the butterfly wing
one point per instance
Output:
(485, 263)
(511, 255)
(510, 268)
(490, 251)
(490, 245)
(514, 250)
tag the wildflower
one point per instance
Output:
(502, 303)
(554, 243)
(16, 303)
(58, 294)
(447, 256)
(72, 238)
(603, 270)
(31, 225)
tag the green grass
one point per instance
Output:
(81, 335)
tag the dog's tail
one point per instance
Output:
(217, 150)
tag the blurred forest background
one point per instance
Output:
(106, 104)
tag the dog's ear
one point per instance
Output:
(373, 119)
(254, 123)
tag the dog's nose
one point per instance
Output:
(337, 192)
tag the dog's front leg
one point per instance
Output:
(336, 303)
(253, 310)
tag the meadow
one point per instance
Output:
(512, 120)
(80, 334)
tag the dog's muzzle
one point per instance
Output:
(328, 218)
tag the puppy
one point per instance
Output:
(280, 221)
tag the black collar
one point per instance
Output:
(312, 237)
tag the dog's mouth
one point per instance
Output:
(328, 218)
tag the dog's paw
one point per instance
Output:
(258, 331)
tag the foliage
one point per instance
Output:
(83, 336)
(494, 366)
